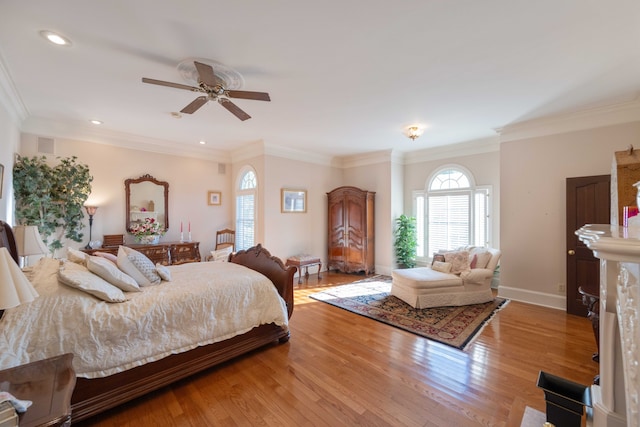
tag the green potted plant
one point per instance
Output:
(51, 197)
(406, 241)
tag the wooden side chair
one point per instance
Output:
(225, 238)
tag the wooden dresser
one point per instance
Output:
(166, 253)
(351, 230)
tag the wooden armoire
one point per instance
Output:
(351, 230)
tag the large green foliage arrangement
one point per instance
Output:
(406, 242)
(51, 197)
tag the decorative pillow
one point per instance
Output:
(79, 277)
(438, 257)
(137, 266)
(443, 267)
(221, 254)
(107, 255)
(163, 272)
(112, 274)
(473, 262)
(76, 256)
(459, 261)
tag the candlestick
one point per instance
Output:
(181, 226)
(189, 237)
(181, 237)
(189, 227)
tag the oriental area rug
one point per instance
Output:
(453, 326)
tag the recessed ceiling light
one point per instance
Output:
(96, 122)
(55, 38)
(176, 115)
(203, 142)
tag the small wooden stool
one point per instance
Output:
(305, 261)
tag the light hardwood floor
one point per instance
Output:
(341, 369)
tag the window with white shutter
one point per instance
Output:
(246, 197)
(451, 212)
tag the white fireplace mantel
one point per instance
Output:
(617, 399)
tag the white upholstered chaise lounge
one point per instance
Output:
(469, 282)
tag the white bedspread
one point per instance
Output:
(204, 303)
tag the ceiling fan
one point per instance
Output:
(213, 90)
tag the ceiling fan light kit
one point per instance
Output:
(218, 86)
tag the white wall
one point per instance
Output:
(10, 137)
(189, 181)
(533, 187)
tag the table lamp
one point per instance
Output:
(28, 241)
(15, 288)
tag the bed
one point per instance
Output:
(106, 386)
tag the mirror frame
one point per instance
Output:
(146, 178)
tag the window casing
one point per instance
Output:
(246, 198)
(451, 212)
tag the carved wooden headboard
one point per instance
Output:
(7, 240)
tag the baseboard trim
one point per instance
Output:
(532, 297)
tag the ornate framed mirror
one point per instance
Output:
(147, 198)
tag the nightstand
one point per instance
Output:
(49, 384)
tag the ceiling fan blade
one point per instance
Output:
(195, 104)
(176, 85)
(234, 109)
(243, 94)
(205, 71)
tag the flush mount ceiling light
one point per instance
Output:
(55, 38)
(414, 132)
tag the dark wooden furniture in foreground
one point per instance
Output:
(48, 384)
(93, 396)
(166, 253)
(305, 261)
(351, 230)
(592, 302)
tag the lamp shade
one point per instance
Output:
(28, 240)
(15, 288)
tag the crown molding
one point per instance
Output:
(607, 115)
(10, 98)
(97, 135)
(468, 148)
(366, 159)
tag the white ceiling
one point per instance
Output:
(345, 76)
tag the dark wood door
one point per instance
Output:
(588, 202)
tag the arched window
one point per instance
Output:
(451, 212)
(246, 199)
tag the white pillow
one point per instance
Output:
(221, 254)
(443, 267)
(138, 266)
(459, 261)
(110, 272)
(163, 271)
(79, 277)
(76, 256)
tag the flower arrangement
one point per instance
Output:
(148, 227)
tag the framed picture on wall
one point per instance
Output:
(293, 201)
(215, 198)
